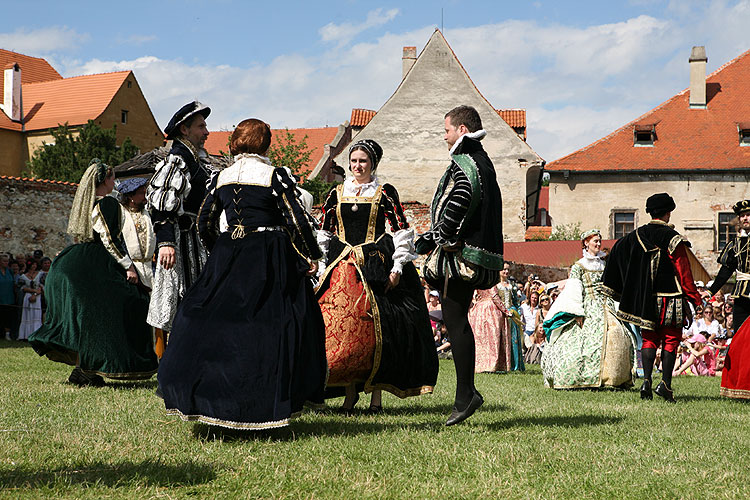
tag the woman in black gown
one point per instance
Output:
(247, 347)
(378, 332)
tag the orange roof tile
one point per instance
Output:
(361, 117)
(686, 139)
(73, 100)
(317, 138)
(538, 233)
(516, 118)
(33, 69)
(37, 180)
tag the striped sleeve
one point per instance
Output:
(296, 217)
(456, 207)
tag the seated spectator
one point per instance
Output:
(544, 304)
(706, 323)
(534, 353)
(698, 356)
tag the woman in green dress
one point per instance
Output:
(96, 313)
(586, 345)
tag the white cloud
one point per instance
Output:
(42, 41)
(344, 32)
(577, 84)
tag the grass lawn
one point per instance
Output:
(59, 441)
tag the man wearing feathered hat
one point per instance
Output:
(648, 271)
(735, 257)
(174, 196)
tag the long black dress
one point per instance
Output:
(247, 347)
(374, 339)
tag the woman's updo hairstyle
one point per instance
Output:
(371, 148)
(251, 136)
(102, 171)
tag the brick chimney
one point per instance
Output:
(408, 60)
(12, 91)
(698, 62)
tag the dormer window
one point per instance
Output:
(744, 132)
(644, 135)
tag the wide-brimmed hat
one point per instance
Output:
(185, 113)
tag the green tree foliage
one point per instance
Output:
(570, 231)
(287, 152)
(69, 155)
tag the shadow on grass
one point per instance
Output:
(148, 472)
(556, 421)
(691, 397)
(14, 344)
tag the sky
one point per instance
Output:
(581, 69)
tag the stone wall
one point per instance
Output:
(34, 215)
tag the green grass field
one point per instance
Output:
(59, 441)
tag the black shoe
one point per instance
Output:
(158, 392)
(76, 377)
(646, 390)
(375, 409)
(665, 393)
(459, 416)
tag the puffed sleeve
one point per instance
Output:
(456, 208)
(296, 219)
(106, 221)
(728, 261)
(168, 187)
(403, 235)
(209, 215)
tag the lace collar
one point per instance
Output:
(592, 262)
(352, 188)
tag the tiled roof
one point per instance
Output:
(538, 233)
(516, 118)
(33, 69)
(686, 139)
(546, 253)
(73, 100)
(37, 181)
(317, 138)
(361, 117)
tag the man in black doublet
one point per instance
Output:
(466, 233)
(648, 272)
(735, 257)
(175, 194)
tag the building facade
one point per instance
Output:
(695, 146)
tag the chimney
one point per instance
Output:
(12, 92)
(408, 60)
(698, 62)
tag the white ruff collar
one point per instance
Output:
(351, 187)
(478, 135)
(592, 262)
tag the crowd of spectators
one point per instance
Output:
(22, 302)
(702, 352)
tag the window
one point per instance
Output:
(644, 135)
(130, 84)
(124, 116)
(727, 229)
(745, 137)
(622, 223)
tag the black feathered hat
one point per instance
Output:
(659, 203)
(185, 113)
(741, 206)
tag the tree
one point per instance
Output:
(287, 152)
(69, 155)
(570, 231)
